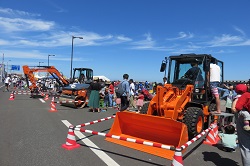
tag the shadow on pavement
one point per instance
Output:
(218, 160)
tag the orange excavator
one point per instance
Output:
(179, 111)
(29, 74)
(72, 95)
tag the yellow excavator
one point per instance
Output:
(179, 111)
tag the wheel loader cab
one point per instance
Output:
(78, 92)
(192, 69)
(83, 75)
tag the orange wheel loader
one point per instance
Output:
(179, 111)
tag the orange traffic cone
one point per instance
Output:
(46, 97)
(212, 137)
(52, 106)
(12, 97)
(177, 159)
(71, 140)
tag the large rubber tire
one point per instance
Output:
(81, 104)
(144, 108)
(194, 119)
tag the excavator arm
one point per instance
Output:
(29, 73)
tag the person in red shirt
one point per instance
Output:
(111, 94)
(243, 104)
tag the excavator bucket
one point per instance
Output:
(149, 128)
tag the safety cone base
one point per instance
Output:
(53, 110)
(208, 143)
(70, 147)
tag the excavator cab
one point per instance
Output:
(177, 112)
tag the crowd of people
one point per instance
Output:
(18, 82)
(15, 81)
(104, 94)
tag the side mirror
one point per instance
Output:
(163, 67)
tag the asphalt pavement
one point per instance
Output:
(31, 135)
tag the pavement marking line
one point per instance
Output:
(102, 155)
(2, 86)
(42, 100)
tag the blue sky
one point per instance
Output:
(119, 36)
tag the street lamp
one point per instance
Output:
(73, 37)
(48, 58)
(40, 62)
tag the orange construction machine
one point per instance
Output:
(179, 111)
(76, 94)
(73, 94)
(29, 74)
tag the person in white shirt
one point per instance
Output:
(132, 94)
(214, 75)
(165, 80)
(14, 81)
(7, 83)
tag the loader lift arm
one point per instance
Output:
(29, 74)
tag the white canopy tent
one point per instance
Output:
(102, 77)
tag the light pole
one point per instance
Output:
(40, 62)
(48, 58)
(73, 37)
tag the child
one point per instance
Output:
(106, 99)
(117, 101)
(139, 102)
(243, 104)
(104, 95)
(229, 139)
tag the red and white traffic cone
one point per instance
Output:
(212, 137)
(52, 106)
(70, 140)
(12, 97)
(46, 97)
(177, 159)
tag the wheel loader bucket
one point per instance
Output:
(148, 128)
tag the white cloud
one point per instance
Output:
(182, 35)
(123, 38)
(240, 31)
(147, 44)
(36, 54)
(225, 40)
(4, 42)
(19, 24)
(11, 12)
